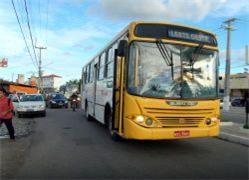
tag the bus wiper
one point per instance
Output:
(194, 57)
(196, 53)
(167, 55)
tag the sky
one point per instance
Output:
(73, 31)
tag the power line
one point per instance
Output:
(24, 38)
(30, 32)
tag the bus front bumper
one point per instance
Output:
(135, 131)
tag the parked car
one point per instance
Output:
(238, 102)
(31, 104)
(221, 103)
(57, 100)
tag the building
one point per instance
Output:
(51, 83)
(239, 85)
(20, 79)
(32, 81)
(13, 87)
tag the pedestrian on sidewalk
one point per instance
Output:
(6, 115)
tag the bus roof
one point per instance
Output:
(134, 23)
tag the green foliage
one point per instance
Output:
(73, 82)
(246, 126)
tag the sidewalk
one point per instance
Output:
(234, 132)
(22, 126)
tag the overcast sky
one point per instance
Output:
(75, 30)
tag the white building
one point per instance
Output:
(239, 84)
(51, 83)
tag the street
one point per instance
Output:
(66, 145)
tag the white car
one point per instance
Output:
(221, 103)
(31, 104)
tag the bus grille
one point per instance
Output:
(180, 122)
(179, 117)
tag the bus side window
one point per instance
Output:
(102, 66)
(92, 71)
(98, 67)
(106, 61)
(89, 73)
(110, 64)
(85, 75)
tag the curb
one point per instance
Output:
(4, 137)
(234, 138)
(226, 123)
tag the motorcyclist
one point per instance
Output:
(73, 96)
(74, 99)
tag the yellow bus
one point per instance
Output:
(154, 81)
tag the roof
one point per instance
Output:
(51, 76)
(239, 75)
(3, 82)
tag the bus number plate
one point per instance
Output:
(181, 133)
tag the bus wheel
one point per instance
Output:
(87, 113)
(113, 134)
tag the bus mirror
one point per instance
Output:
(122, 48)
(220, 78)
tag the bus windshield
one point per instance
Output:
(172, 71)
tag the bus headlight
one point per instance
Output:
(139, 119)
(212, 120)
(146, 121)
(149, 122)
(208, 121)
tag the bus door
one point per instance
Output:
(95, 87)
(118, 87)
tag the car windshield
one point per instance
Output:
(172, 71)
(58, 96)
(26, 98)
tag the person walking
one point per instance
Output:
(6, 115)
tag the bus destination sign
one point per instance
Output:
(160, 31)
(191, 36)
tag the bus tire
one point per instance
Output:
(113, 134)
(88, 118)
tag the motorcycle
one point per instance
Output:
(74, 104)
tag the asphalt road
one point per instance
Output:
(65, 145)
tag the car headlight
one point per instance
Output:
(146, 121)
(66, 102)
(41, 106)
(53, 102)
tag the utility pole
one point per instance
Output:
(228, 26)
(39, 67)
(12, 77)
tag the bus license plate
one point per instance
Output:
(181, 133)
